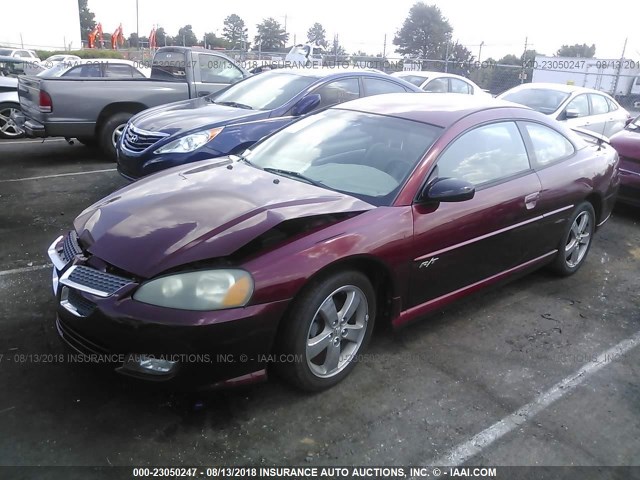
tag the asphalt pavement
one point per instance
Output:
(544, 371)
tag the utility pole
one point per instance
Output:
(446, 58)
(615, 86)
(384, 48)
(480, 51)
(335, 49)
(137, 26)
(523, 72)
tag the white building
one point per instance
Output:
(41, 24)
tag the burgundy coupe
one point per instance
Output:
(627, 143)
(378, 210)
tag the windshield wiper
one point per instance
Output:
(242, 158)
(235, 104)
(293, 174)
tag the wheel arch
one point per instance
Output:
(119, 107)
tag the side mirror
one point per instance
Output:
(571, 113)
(306, 104)
(449, 190)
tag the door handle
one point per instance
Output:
(531, 200)
(203, 94)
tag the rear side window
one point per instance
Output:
(338, 91)
(437, 85)
(599, 104)
(548, 145)
(375, 86)
(119, 70)
(89, 70)
(460, 86)
(169, 65)
(485, 154)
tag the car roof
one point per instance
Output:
(560, 87)
(443, 109)
(6, 58)
(427, 74)
(321, 72)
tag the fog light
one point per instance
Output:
(149, 365)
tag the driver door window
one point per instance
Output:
(579, 104)
(485, 155)
(214, 69)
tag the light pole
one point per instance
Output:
(480, 51)
(137, 27)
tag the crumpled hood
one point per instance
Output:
(189, 115)
(208, 210)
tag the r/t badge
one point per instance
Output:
(428, 263)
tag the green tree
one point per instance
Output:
(235, 31)
(186, 37)
(424, 33)
(271, 36)
(134, 42)
(162, 38)
(214, 41)
(87, 19)
(316, 34)
(577, 50)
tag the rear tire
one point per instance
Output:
(111, 131)
(328, 326)
(576, 241)
(8, 129)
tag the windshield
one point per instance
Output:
(56, 71)
(265, 91)
(415, 79)
(365, 155)
(55, 58)
(540, 99)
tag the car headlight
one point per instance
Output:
(191, 142)
(203, 290)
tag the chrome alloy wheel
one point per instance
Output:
(8, 127)
(337, 331)
(117, 133)
(578, 240)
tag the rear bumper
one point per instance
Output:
(34, 129)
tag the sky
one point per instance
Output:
(362, 25)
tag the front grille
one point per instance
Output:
(81, 305)
(93, 281)
(137, 141)
(70, 247)
(77, 341)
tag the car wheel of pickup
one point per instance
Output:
(576, 240)
(111, 131)
(8, 128)
(329, 324)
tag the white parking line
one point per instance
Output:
(24, 269)
(482, 440)
(58, 175)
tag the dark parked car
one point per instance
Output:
(378, 210)
(234, 119)
(627, 143)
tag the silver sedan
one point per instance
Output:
(577, 106)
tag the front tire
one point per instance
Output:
(576, 241)
(111, 131)
(8, 128)
(330, 323)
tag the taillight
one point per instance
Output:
(46, 105)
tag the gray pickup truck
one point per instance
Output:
(96, 109)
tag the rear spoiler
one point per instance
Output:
(599, 139)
